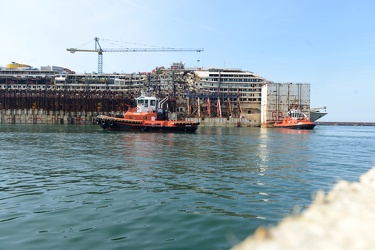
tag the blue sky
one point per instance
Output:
(329, 44)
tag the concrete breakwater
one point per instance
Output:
(40, 116)
(344, 218)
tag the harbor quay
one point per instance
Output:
(72, 106)
(214, 96)
(32, 116)
(79, 107)
(60, 117)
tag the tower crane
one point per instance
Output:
(98, 49)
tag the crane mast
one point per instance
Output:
(98, 49)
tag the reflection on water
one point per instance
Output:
(69, 186)
(293, 131)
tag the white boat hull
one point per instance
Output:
(315, 115)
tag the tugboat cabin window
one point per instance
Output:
(141, 102)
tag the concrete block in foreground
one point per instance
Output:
(342, 219)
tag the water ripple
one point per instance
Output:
(80, 187)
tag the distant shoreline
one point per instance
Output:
(346, 123)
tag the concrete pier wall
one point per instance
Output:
(30, 116)
(40, 116)
(225, 122)
(344, 218)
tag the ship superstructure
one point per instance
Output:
(231, 92)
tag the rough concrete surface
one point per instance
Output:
(344, 218)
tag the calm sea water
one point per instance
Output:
(79, 187)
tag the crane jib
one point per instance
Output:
(98, 49)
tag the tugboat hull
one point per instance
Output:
(119, 124)
(297, 126)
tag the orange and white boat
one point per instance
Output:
(147, 116)
(295, 120)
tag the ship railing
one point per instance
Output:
(163, 101)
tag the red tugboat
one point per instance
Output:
(295, 120)
(147, 116)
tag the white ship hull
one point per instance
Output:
(316, 114)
